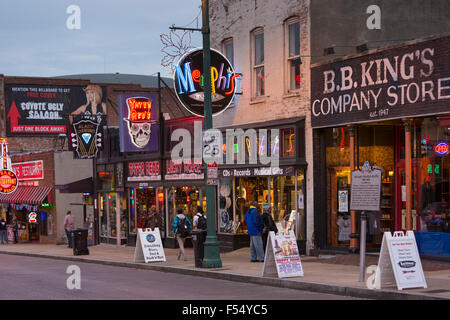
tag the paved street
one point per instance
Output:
(38, 278)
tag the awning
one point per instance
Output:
(26, 195)
(80, 186)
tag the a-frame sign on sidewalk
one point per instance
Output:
(282, 256)
(399, 262)
(149, 247)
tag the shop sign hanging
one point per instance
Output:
(411, 80)
(189, 82)
(86, 138)
(8, 179)
(138, 123)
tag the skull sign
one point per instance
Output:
(139, 117)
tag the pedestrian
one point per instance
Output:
(154, 219)
(253, 220)
(69, 224)
(200, 225)
(182, 228)
(15, 228)
(268, 225)
(3, 231)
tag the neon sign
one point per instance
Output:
(8, 179)
(189, 82)
(441, 148)
(139, 109)
(32, 217)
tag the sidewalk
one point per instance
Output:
(327, 274)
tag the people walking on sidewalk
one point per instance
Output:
(200, 226)
(154, 220)
(268, 225)
(69, 224)
(182, 228)
(15, 228)
(253, 219)
(3, 230)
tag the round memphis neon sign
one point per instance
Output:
(8, 181)
(189, 82)
(441, 148)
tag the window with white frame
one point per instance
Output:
(258, 62)
(293, 54)
(228, 50)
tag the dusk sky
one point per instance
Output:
(114, 35)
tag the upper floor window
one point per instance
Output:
(293, 53)
(228, 50)
(258, 62)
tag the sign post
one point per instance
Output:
(365, 196)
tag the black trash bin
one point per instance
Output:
(198, 241)
(79, 242)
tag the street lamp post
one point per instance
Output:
(212, 252)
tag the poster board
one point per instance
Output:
(149, 246)
(282, 256)
(399, 262)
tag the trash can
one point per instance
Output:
(79, 242)
(198, 242)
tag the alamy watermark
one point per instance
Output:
(260, 146)
(73, 22)
(74, 280)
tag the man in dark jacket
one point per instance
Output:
(253, 220)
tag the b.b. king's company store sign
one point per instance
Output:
(412, 80)
(189, 82)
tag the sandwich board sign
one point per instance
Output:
(282, 256)
(399, 262)
(149, 246)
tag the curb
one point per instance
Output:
(318, 287)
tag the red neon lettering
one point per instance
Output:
(196, 75)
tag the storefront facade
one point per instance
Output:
(389, 107)
(33, 201)
(282, 187)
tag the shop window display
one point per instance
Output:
(226, 214)
(186, 198)
(430, 174)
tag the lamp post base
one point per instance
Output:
(212, 253)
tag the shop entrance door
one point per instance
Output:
(339, 227)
